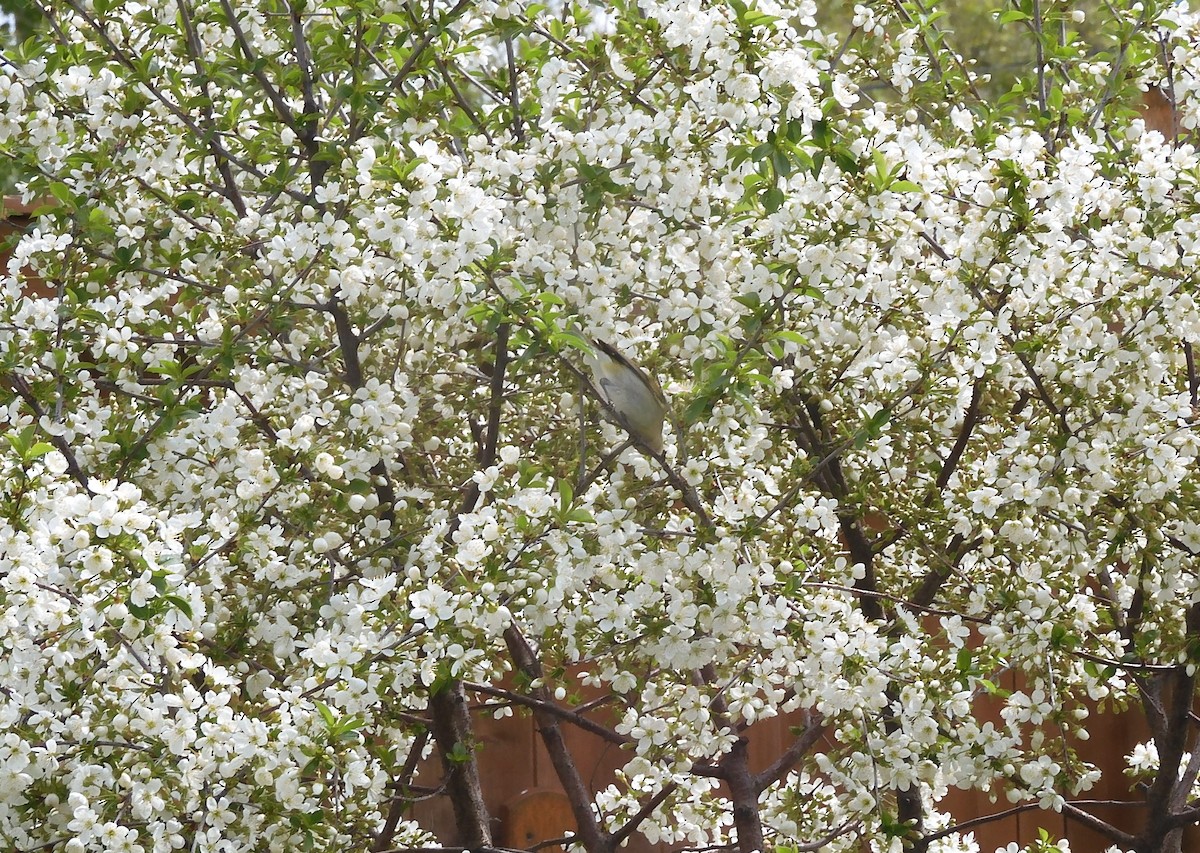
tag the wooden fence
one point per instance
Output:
(523, 794)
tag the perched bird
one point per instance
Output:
(635, 396)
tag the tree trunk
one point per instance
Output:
(451, 727)
(590, 833)
(744, 794)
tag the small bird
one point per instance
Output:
(635, 396)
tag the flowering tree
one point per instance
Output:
(302, 459)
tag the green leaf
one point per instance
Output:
(179, 603)
(781, 163)
(21, 441)
(125, 256)
(790, 336)
(63, 194)
(39, 449)
(754, 18)
(572, 339)
(326, 715)
(140, 611)
(993, 689)
(459, 753)
(697, 409)
(877, 422)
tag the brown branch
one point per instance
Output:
(1193, 381)
(175, 110)
(644, 812)
(1183, 818)
(1171, 742)
(282, 111)
(565, 714)
(486, 454)
(232, 193)
(402, 782)
(1071, 810)
(734, 769)
(821, 844)
(431, 33)
(1109, 831)
(591, 833)
(347, 343)
(483, 849)
(514, 95)
(800, 746)
(862, 553)
(21, 388)
(970, 420)
(450, 724)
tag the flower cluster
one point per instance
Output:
(300, 441)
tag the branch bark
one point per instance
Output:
(450, 724)
(547, 706)
(734, 770)
(1175, 696)
(591, 835)
(396, 811)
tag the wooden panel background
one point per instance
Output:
(519, 784)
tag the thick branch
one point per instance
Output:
(734, 769)
(347, 343)
(970, 420)
(799, 748)
(1171, 743)
(545, 705)
(450, 723)
(396, 811)
(486, 453)
(591, 834)
(861, 553)
(22, 390)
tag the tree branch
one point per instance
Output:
(549, 707)
(591, 834)
(402, 782)
(21, 388)
(800, 747)
(450, 724)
